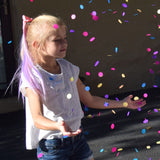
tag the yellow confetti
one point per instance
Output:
(120, 149)
(121, 86)
(99, 85)
(139, 10)
(136, 98)
(119, 21)
(125, 104)
(113, 112)
(126, 0)
(89, 116)
(148, 147)
(123, 75)
(158, 142)
(148, 127)
(71, 79)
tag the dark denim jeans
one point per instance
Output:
(71, 148)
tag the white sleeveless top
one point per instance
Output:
(60, 102)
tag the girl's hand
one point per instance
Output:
(129, 103)
(66, 130)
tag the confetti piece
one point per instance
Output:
(65, 136)
(125, 104)
(155, 110)
(51, 78)
(159, 131)
(117, 154)
(116, 49)
(158, 142)
(95, 18)
(113, 69)
(114, 149)
(158, 11)
(123, 14)
(112, 126)
(40, 155)
(139, 10)
(145, 121)
(31, 0)
(96, 64)
(135, 158)
(9, 42)
(109, 1)
(148, 49)
(136, 98)
(99, 114)
(85, 34)
(124, 5)
(94, 13)
(73, 16)
(117, 99)
(113, 111)
(88, 73)
(128, 113)
(143, 131)
(106, 96)
(106, 104)
(92, 39)
(81, 6)
(71, 79)
(99, 85)
(145, 95)
(143, 85)
(148, 147)
(55, 26)
(101, 150)
(100, 74)
(69, 96)
(120, 149)
(87, 88)
(72, 31)
(90, 1)
(123, 75)
(119, 21)
(121, 86)
(136, 150)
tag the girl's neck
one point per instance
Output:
(52, 67)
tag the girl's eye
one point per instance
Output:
(60, 40)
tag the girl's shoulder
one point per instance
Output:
(65, 62)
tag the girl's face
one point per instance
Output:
(56, 44)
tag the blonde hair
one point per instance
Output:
(39, 30)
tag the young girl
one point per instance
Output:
(53, 91)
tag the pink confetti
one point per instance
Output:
(157, 62)
(100, 74)
(148, 49)
(113, 69)
(117, 154)
(112, 126)
(114, 149)
(145, 95)
(95, 18)
(40, 155)
(55, 26)
(145, 121)
(151, 71)
(85, 34)
(94, 13)
(88, 73)
(114, 12)
(156, 52)
(31, 0)
(92, 39)
(159, 131)
(128, 113)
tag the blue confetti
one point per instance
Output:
(87, 88)
(106, 104)
(116, 49)
(143, 131)
(136, 149)
(81, 6)
(9, 42)
(135, 159)
(101, 150)
(143, 85)
(109, 1)
(90, 1)
(65, 136)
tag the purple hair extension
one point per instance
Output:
(27, 71)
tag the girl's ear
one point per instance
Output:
(35, 45)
